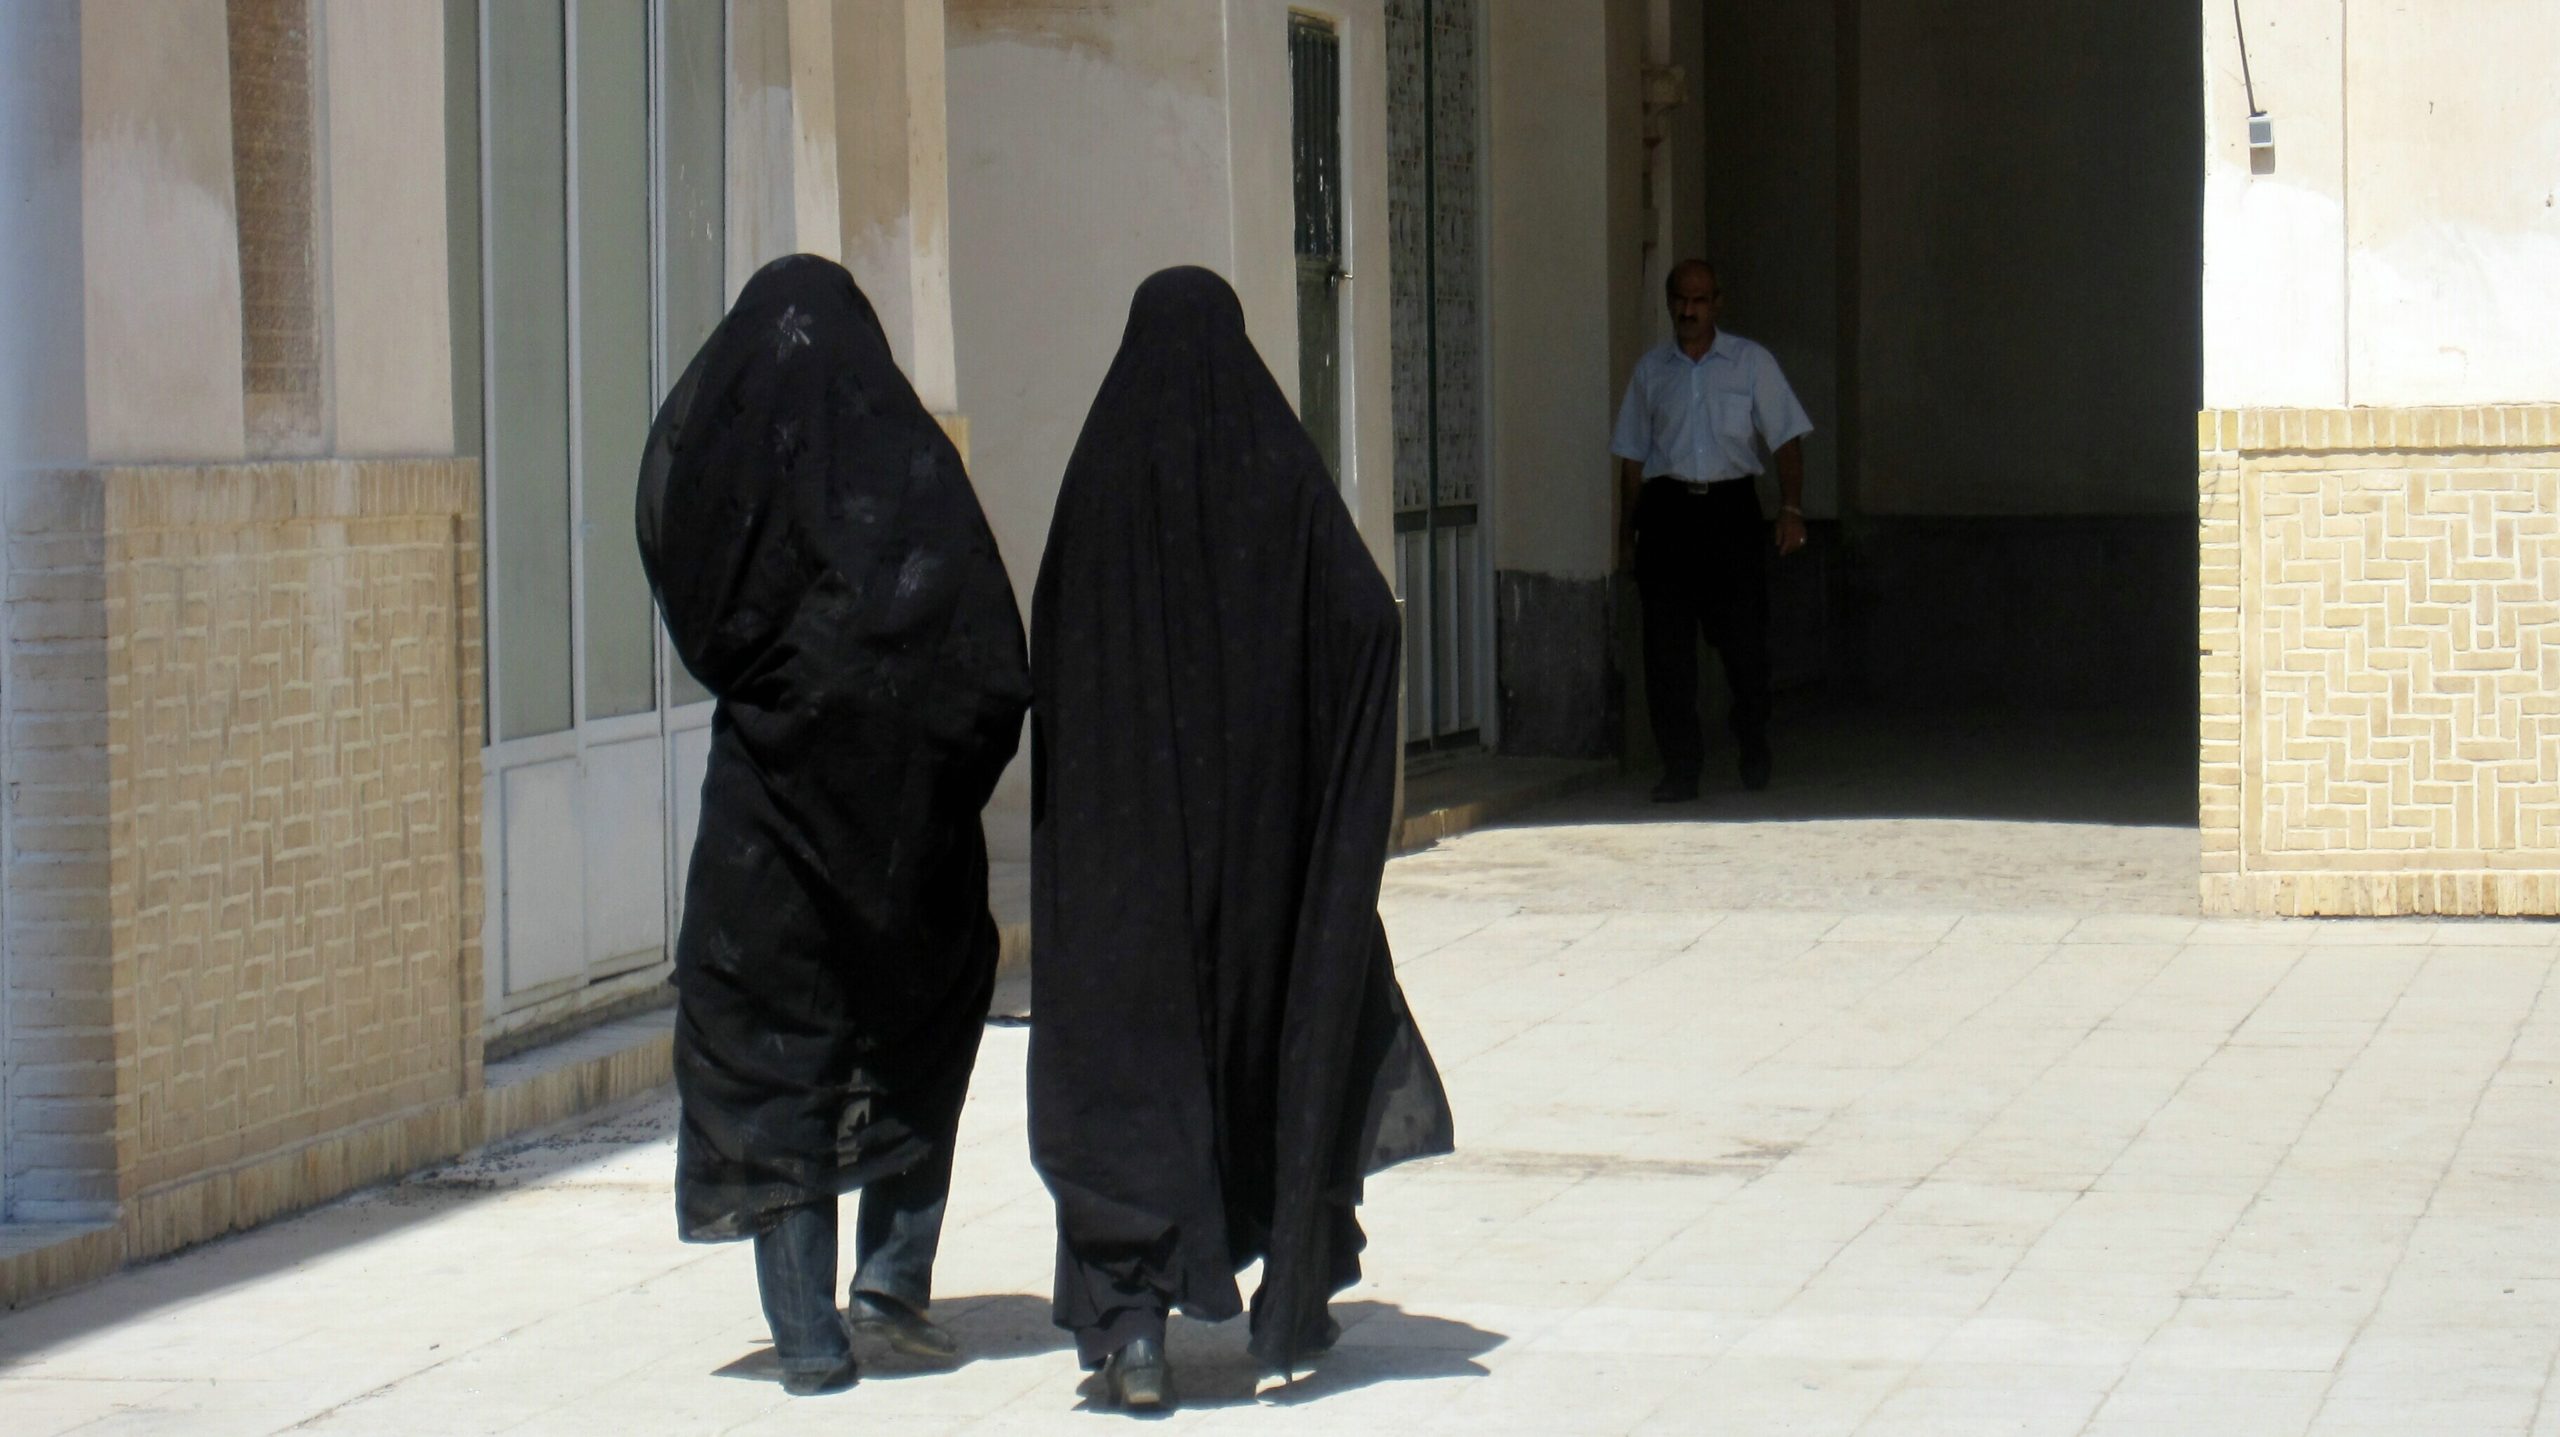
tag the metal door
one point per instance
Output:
(1438, 286)
(602, 204)
(1315, 134)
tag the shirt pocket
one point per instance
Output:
(1731, 414)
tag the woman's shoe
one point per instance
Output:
(796, 1278)
(902, 1327)
(1138, 1378)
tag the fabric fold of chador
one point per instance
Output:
(826, 572)
(1219, 1051)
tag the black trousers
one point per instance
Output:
(1702, 565)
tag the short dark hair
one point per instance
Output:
(1671, 281)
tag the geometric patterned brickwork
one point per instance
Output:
(293, 749)
(2380, 652)
(2408, 641)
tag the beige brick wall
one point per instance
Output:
(2379, 641)
(244, 723)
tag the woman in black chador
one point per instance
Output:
(1219, 1051)
(826, 573)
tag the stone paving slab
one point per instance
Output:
(1953, 1158)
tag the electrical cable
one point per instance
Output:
(2246, 84)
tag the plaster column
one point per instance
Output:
(761, 223)
(810, 60)
(838, 146)
(892, 191)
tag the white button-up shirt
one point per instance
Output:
(1696, 420)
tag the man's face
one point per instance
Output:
(1694, 303)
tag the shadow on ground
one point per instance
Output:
(1833, 762)
(994, 1328)
(135, 1293)
(1870, 810)
(1381, 1342)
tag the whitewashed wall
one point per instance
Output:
(2403, 245)
(1555, 370)
(1095, 144)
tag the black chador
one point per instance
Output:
(1219, 1050)
(826, 573)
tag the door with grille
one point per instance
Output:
(1434, 189)
(1315, 153)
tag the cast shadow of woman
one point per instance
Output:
(1381, 1342)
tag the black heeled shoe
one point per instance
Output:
(796, 1279)
(1138, 1378)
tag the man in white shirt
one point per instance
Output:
(1689, 437)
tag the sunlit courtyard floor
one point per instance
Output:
(1910, 1096)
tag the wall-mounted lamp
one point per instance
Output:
(2262, 143)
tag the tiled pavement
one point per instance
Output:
(2003, 1144)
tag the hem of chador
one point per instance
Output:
(739, 1221)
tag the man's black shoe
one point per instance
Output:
(812, 1378)
(905, 1329)
(1755, 769)
(1676, 790)
(1138, 1378)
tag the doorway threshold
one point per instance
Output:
(1463, 792)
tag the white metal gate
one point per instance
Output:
(602, 219)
